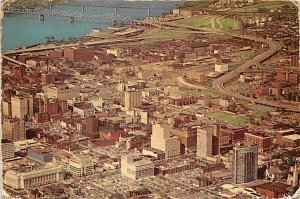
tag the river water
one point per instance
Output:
(21, 30)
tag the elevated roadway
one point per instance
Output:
(91, 43)
(219, 83)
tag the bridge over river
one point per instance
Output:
(71, 15)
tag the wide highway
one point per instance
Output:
(89, 43)
(219, 83)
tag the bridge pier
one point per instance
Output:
(148, 11)
(71, 19)
(50, 7)
(114, 22)
(41, 17)
(116, 9)
(82, 8)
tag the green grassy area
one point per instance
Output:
(206, 21)
(240, 101)
(33, 3)
(218, 115)
(167, 34)
(258, 107)
(210, 93)
(230, 24)
(198, 4)
(202, 21)
(261, 111)
(260, 114)
(247, 53)
(266, 5)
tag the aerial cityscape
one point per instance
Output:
(112, 99)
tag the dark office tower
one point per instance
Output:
(92, 124)
(216, 139)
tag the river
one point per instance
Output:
(22, 30)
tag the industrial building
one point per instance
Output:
(75, 54)
(76, 164)
(136, 166)
(41, 154)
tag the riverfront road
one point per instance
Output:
(91, 43)
(218, 84)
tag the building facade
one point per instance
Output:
(76, 164)
(204, 142)
(34, 178)
(22, 106)
(133, 99)
(13, 129)
(245, 163)
(263, 142)
(7, 149)
(40, 154)
(134, 166)
(161, 140)
(62, 92)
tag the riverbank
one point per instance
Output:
(36, 32)
(32, 4)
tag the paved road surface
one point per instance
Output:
(182, 81)
(219, 84)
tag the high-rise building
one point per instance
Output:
(6, 108)
(245, 160)
(7, 149)
(216, 139)
(162, 140)
(13, 129)
(133, 99)
(204, 142)
(92, 124)
(22, 106)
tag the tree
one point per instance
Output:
(232, 107)
(263, 10)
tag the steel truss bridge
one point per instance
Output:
(121, 4)
(71, 15)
